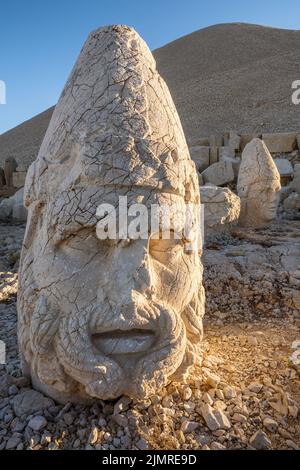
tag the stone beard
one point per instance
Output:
(258, 186)
(102, 318)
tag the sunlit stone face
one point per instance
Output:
(259, 208)
(119, 309)
(258, 186)
(101, 318)
(269, 202)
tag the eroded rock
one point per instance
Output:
(219, 173)
(258, 186)
(102, 318)
(29, 402)
(221, 208)
(12, 208)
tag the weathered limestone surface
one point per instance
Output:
(13, 208)
(234, 141)
(282, 142)
(284, 167)
(295, 184)
(258, 186)
(2, 178)
(10, 166)
(98, 319)
(18, 179)
(202, 141)
(200, 155)
(235, 161)
(292, 203)
(246, 139)
(216, 140)
(221, 208)
(213, 155)
(226, 152)
(219, 173)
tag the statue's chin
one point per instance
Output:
(78, 397)
(270, 214)
(103, 389)
(143, 374)
(98, 363)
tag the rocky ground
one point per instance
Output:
(245, 396)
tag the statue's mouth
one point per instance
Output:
(272, 209)
(117, 342)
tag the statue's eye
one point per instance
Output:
(84, 242)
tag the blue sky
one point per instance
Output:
(40, 40)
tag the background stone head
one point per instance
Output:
(258, 185)
(103, 318)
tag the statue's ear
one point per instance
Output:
(33, 201)
(29, 188)
(34, 188)
(33, 217)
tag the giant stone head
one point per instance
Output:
(258, 186)
(99, 318)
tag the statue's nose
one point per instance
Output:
(142, 276)
(131, 271)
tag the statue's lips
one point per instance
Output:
(272, 209)
(123, 341)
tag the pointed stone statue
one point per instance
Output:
(258, 186)
(99, 318)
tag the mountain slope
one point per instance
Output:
(233, 76)
(23, 142)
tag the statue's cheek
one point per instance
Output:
(179, 282)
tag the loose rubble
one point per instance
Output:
(246, 395)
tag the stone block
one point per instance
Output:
(22, 167)
(234, 141)
(13, 207)
(226, 139)
(202, 142)
(295, 184)
(292, 203)
(221, 208)
(226, 152)
(297, 169)
(281, 142)
(200, 155)
(219, 173)
(10, 166)
(284, 167)
(6, 207)
(19, 213)
(246, 139)
(213, 155)
(235, 161)
(216, 141)
(18, 179)
(2, 178)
